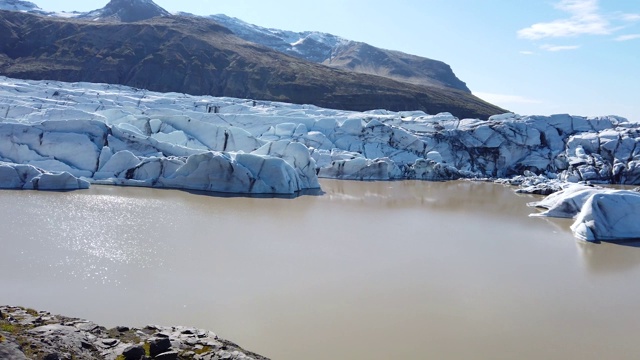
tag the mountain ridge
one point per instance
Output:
(341, 53)
(126, 11)
(318, 47)
(20, 5)
(198, 56)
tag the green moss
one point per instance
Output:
(205, 349)
(120, 357)
(147, 348)
(32, 312)
(129, 336)
(8, 328)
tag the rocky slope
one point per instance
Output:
(349, 55)
(198, 56)
(40, 335)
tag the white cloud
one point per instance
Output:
(627, 37)
(504, 99)
(549, 47)
(525, 52)
(578, 7)
(584, 19)
(630, 17)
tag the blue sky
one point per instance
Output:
(528, 56)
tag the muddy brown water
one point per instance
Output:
(368, 270)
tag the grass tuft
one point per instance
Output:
(8, 328)
(205, 349)
(147, 348)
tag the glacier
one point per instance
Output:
(69, 135)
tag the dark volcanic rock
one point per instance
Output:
(197, 56)
(133, 352)
(159, 345)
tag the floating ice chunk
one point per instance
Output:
(609, 216)
(601, 214)
(566, 203)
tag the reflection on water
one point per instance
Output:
(84, 234)
(456, 196)
(608, 258)
(367, 270)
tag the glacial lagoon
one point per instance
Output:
(365, 270)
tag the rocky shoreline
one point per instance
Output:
(39, 335)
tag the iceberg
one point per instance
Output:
(600, 214)
(609, 216)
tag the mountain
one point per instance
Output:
(19, 5)
(349, 55)
(197, 56)
(126, 11)
(318, 47)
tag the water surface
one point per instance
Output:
(369, 270)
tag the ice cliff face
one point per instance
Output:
(43, 134)
(120, 135)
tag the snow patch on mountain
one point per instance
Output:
(311, 45)
(19, 5)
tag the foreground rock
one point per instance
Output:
(600, 214)
(31, 334)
